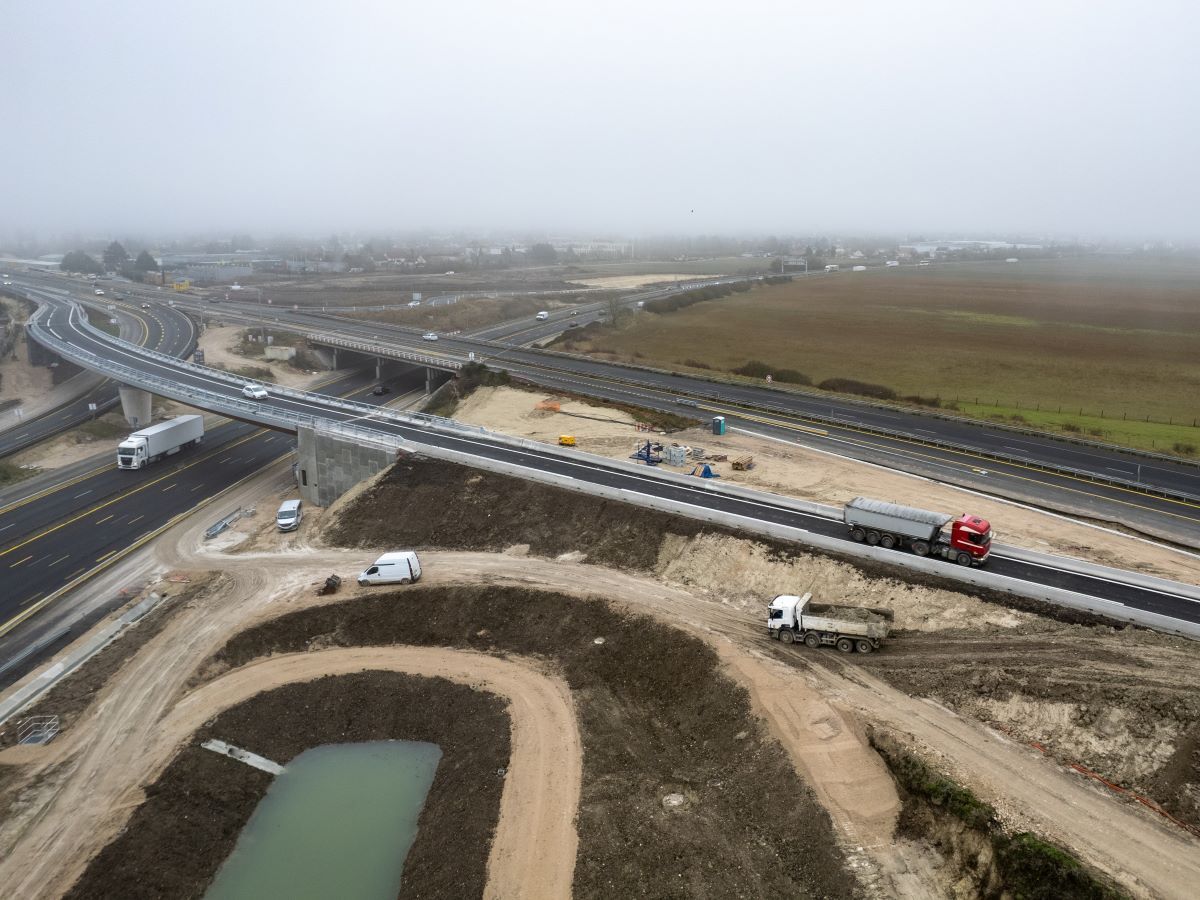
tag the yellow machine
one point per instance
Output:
(566, 440)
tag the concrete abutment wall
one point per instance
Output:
(328, 466)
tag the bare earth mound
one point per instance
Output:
(190, 821)
(657, 718)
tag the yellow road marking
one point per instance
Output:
(121, 497)
(105, 556)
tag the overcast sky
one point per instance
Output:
(642, 117)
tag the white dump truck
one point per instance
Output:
(153, 443)
(849, 628)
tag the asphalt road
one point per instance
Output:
(52, 536)
(163, 329)
(185, 381)
(1108, 484)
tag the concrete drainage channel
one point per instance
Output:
(217, 527)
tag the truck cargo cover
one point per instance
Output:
(923, 516)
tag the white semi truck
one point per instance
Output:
(849, 628)
(153, 443)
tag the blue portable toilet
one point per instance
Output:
(718, 424)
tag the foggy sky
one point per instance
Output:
(699, 117)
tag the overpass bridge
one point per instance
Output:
(340, 442)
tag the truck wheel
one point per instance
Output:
(863, 646)
(406, 581)
(812, 640)
(887, 541)
(857, 534)
(786, 635)
(920, 548)
(872, 538)
(964, 559)
(845, 645)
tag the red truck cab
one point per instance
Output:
(973, 535)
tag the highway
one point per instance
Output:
(1155, 496)
(63, 532)
(188, 383)
(160, 328)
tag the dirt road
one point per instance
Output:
(813, 708)
(533, 852)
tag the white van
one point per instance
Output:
(542, 316)
(401, 567)
(289, 515)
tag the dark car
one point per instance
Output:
(381, 389)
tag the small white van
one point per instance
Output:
(542, 316)
(289, 515)
(401, 567)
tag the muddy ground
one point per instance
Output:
(1119, 701)
(177, 839)
(657, 717)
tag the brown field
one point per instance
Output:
(1078, 342)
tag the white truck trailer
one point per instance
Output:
(849, 628)
(153, 443)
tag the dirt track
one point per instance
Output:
(811, 705)
(534, 847)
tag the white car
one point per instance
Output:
(429, 336)
(255, 392)
(99, 293)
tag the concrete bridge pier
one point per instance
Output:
(428, 380)
(378, 368)
(135, 404)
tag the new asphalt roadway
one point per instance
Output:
(187, 383)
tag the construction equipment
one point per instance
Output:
(743, 463)
(676, 455)
(330, 586)
(566, 440)
(849, 628)
(890, 525)
(648, 453)
(704, 470)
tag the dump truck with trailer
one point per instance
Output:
(849, 628)
(890, 525)
(151, 444)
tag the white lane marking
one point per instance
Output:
(966, 490)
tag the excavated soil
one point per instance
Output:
(1122, 704)
(657, 717)
(1118, 701)
(177, 839)
(436, 504)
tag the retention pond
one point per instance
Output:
(338, 822)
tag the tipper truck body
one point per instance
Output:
(153, 443)
(890, 525)
(849, 628)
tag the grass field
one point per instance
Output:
(1090, 346)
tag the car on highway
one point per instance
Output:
(381, 389)
(99, 292)
(145, 306)
(429, 336)
(573, 325)
(255, 392)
